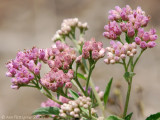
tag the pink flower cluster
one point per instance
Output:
(119, 51)
(93, 49)
(113, 31)
(56, 79)
(24, 67)
(130, 21)
(136, 17)
(146, 39)
(60, 56)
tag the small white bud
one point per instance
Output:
(89, 99)
(76, 115)
(93, 111)
(76, 110)
(63, 115)
(134, 51)
(85, 106)
(72, 113)
(101, 94)
(112, 61)
(106, 61)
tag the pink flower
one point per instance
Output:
(143, 45)
(151, 44)
(137, 40)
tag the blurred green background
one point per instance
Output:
(27, 23)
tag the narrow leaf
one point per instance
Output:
(81, 76)
(74, 94)
(46, 111)
(128, 117)
(154, 117)
(113, 118)
(107, 91)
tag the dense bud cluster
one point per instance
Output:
(93, 49)
(119, 51)
(136, 17)
(55, 79)
(146, 39)
(113, 31)
(24, 67)
(59, 56)
(125, 20)
(73, 107)
(67, 26)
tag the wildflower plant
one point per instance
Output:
(69, 65)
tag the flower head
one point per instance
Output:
(57, 79)
(93, 49)
(24, 67)
(118, 51)
(131, 22)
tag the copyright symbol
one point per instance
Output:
(3, 117)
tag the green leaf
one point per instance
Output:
(74, 94)
(154, 116)
(128, 117)
(81, 76)
(113, 118)
(128, 75)
(46, 111)
(106, 94)
(127, 39)
(83, 118)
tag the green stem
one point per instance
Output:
(77, 81)
(127, 98)
(47, 94)
(129, 62)
(89, 75)
(125, 67)
(129, 81)
(132, 66)
(61, 92)
(97, 97)
(138, 57)
(90, 82)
